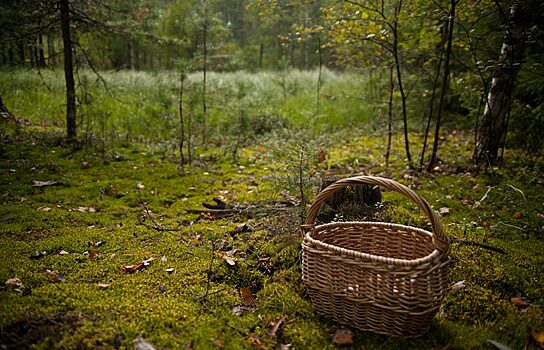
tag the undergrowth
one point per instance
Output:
(221, 281)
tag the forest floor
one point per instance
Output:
(104, 251)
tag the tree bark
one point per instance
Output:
(444, 89)
(68, 71)
(494, 123)
(390, 116)
(399, 81)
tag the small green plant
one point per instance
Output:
(297, 159)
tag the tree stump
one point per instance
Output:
(350, 203)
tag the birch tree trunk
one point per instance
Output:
(493, 129)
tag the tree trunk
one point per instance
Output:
(444, 89)
(41, 51)
(51, 59)
(399, 81)
(390, 116)
(68, 71)
(494, 124)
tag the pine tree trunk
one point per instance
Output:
(494, 123)
(68, 71)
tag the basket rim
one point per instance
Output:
(433, 256)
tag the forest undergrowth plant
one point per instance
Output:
(298, 158)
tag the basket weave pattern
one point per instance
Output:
(375, 276)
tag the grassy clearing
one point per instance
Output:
(119, 196)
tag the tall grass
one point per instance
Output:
(137, 106)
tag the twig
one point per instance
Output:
(517, 190)
(147, 212)
(207, 308)
(476, 244)
(509, 225)
(485, 195)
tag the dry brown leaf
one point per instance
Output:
(44, 183)
(55, 276)
(45, 209)
(255, 342)
(276, 327)
(138, 266)
(321, 157)
(38, 255)
(84, 209)
(519, 302)
(517, 215)
(343, 337)
(241, 228)
(218, 342)
(227, 258)
(538, 337)
(247, 296)
(14, 282)
(239, 310)
(444, 211)
(63, 252)
(92, 256)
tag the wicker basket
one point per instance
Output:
(376, 276)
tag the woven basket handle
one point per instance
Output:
(439, 238)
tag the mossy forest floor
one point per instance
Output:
(77, 248)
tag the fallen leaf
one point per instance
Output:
(169, 270)
(103, 285)
(517, 215)
(519, 302)
(63, 252)
(206, 216)
(84, 209)
(285, 346)
(459, 285)
(240, 310)
(247, 296)
(218, 342)
(85, 165)
(242, 228)
(321, 157)
(92, 256)
(255, 342)
(140, 186)
(276, 327)
(14, 282)
(97, 244)
(141, 344)
(38, 255)
(44, 183)
(164, 259)
(343, 337)
(498, 345)
(538, 337)
(45, 209)
(444, 211)
(55, 276)
(227, 258)
(138, 266)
